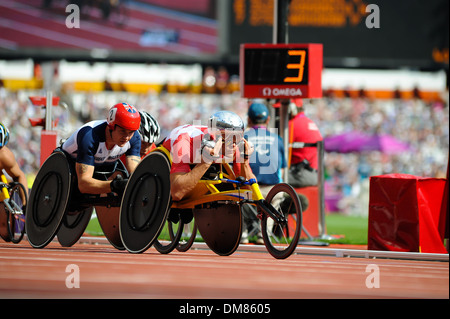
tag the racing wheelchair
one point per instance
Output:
(13, 196)
(215, 206)
(57, 208)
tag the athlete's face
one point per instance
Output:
(121, 136)
(231, 141)
(145, 147)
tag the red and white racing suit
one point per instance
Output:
(184, 144)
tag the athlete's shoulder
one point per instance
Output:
(91, 134)
(7, 158)
(188, 130)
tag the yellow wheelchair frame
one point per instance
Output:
(217, 214)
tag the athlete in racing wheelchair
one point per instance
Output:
(85, 172)
(177, 182)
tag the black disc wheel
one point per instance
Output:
(220, 225)
(48, 200)
(281, 234)
(73, 226)
(145, 203)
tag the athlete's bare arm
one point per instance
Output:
(9, 164)
(88, 184)
(183, 183)
(132, 162)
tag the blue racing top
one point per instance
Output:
(88, 145)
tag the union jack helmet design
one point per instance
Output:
(124, 115)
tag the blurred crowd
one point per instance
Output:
(425, 125)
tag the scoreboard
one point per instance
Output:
(281, 70)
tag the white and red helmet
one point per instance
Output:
(124, 115)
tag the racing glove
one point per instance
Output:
(118, 184)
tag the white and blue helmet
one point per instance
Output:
(4, 135)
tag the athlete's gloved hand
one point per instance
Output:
(210, 148)
(118, 184)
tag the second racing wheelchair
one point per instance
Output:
(57, 208)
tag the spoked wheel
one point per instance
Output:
(12, 216)
(280, 238)
(145, 203)
(48, 200)
(16, 217)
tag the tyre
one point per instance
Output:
(169, 237)
(281, 237)
(73, 226)
(188, 237)
(145, 203)
(48, 200)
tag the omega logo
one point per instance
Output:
(281, 92)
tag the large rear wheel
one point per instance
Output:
(48, 200)
(145, 203)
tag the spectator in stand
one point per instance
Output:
(303, 134)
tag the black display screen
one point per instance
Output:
(276, 66)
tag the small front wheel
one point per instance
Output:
(166, 245)
(186, 242)
(281, 235)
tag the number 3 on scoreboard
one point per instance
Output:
(300, 66)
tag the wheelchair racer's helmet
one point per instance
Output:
(4, 135)
(124, 115)
(230, 126)
(149, 129)
(226, 120)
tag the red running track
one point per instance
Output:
(105, 272)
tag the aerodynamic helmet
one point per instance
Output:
(124, 115)
(4, 135)
(149, 129)
(226, 120)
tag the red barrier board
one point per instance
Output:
(404, 213)
(311, 215)
(48, 144)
